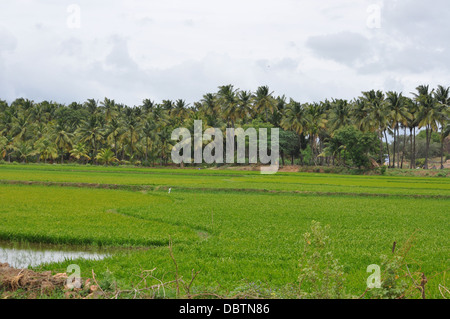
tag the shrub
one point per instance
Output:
(354, 145)
(146, 163)
(420, 162)
(321, 275)
(393, 286)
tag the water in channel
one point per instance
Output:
(23, 255)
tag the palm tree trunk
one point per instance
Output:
(411, 148)
(301, 154)
(395, 149)
(381, 147)
(414, 153)
(115, 146)
(131, 141)
(442, 147)
(427, 148)
(404, 145)
(146, 149)
(387, 147)
(398, 147)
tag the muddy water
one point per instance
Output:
(22, 255)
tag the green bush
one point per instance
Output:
(321, 276)
(420, 162)
(393, 284)
(353, 146)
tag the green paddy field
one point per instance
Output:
(238, 228)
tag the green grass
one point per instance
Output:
(226, 179)
(231, 237)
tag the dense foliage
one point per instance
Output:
(107, 132)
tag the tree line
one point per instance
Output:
(331, 132)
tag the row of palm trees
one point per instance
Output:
(106, 132)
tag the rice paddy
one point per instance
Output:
(235, 227)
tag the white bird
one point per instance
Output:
(170, 189)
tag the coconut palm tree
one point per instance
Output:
(80, 152)
(428, 114)
(63, 139)
(398, 114)
(46, 149)
(406, 124)
(165, 144)
(25, 150)
(339, 114)
(160, 116)
(3, 106)
(132, 126)
(264, 103)
(109, 107)
(3, 143)
(229, 103)
(113, 131)
(180, 110)
(168, 106)
(92, 107)
(91, 132)
(412, 124)
(315, 120)
(245, 109)
(149, 133)
(106, 156)
(294, 119)
(209, 104)
(442, 96)
(147, 106)
(21, 127)
(8, 147)
(6, 122)
(377, 116)
(280, 104)
(360, 114)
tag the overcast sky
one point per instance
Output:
(130, 50)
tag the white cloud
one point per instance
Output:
(131, 50)
(343, 47)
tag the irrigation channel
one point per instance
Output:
(24, 255)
